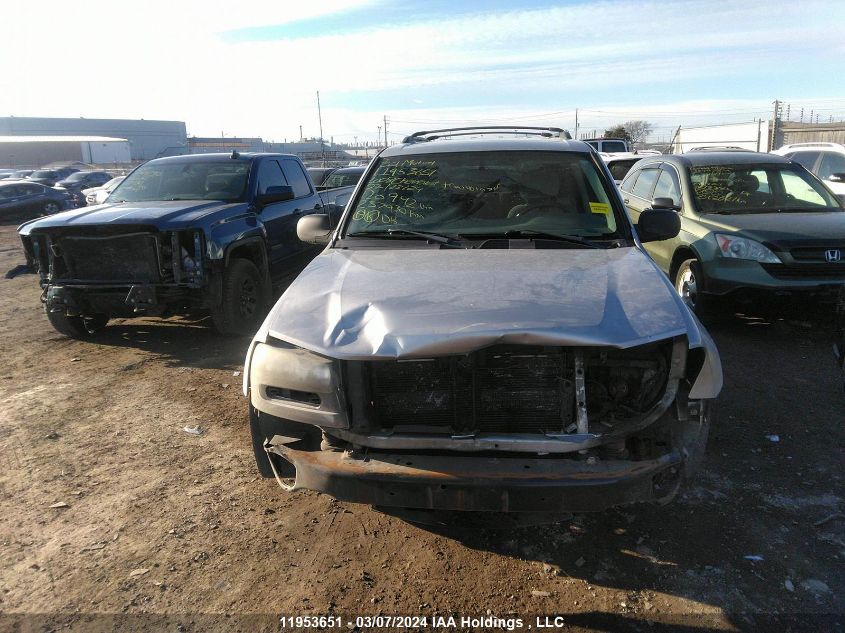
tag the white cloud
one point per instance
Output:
(168, 59)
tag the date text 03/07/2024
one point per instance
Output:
(437, 622)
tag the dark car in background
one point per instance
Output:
(319, 174)
(50, 177)
(23, 173)
(19, 198)
(753, 227)
(77, 181)
(343, 177)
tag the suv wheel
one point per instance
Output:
(77, 326)
(688, 282)
(244, 299)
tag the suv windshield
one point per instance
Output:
(209, 180)
(487, 193)
(77, 176)
(760, 188)
(44, 174)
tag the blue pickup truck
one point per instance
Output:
(215, 232)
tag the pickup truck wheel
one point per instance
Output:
(242, 305)
(76, 326)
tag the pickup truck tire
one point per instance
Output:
(243, 300)
(76, 326)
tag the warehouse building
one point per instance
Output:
(22, 152)
(146, 139)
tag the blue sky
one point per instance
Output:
(253, 67)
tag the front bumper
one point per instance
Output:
(729, 276)
(476, 483)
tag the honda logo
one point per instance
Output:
(834, 255)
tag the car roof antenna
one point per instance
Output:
(235, 155)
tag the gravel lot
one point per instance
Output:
(162, 530)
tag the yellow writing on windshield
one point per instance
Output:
(600, 207)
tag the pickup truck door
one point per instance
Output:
(279, 219)
(307, 201)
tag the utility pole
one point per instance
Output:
(379, 134)
(775, 132)
(576, 124)
(320, 118)
(385, 130)
(300, 132)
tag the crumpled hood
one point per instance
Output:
(172, 214)
(390, 303)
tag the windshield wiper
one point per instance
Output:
(543, 235)
(446, 240)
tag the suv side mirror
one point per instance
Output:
(656, 225)
(281, 193)
(315, 228)
(837, 177)
(665, 203)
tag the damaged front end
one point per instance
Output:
(507, 427)
(119, 271)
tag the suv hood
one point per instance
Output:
(777, 228)
(390, 303)
(166, 215)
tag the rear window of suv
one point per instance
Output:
(490, 192)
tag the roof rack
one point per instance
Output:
(430, 135)
(718, 148)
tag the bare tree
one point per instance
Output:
(637, 131)
(617, 131)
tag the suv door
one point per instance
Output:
(637, 188)
(667, 186)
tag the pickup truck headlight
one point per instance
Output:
(744, 248)
(296, 384)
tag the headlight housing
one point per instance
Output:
(296, 384)
(744, 248)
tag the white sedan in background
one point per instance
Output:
(98, 195)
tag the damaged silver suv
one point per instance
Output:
(483, 331)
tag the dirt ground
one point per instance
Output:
(163, 530)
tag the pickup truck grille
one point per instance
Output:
(129, 257)
(503, 389)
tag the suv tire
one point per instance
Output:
(689, 280)
(243, 301)
(77, 326)
(262, 459)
